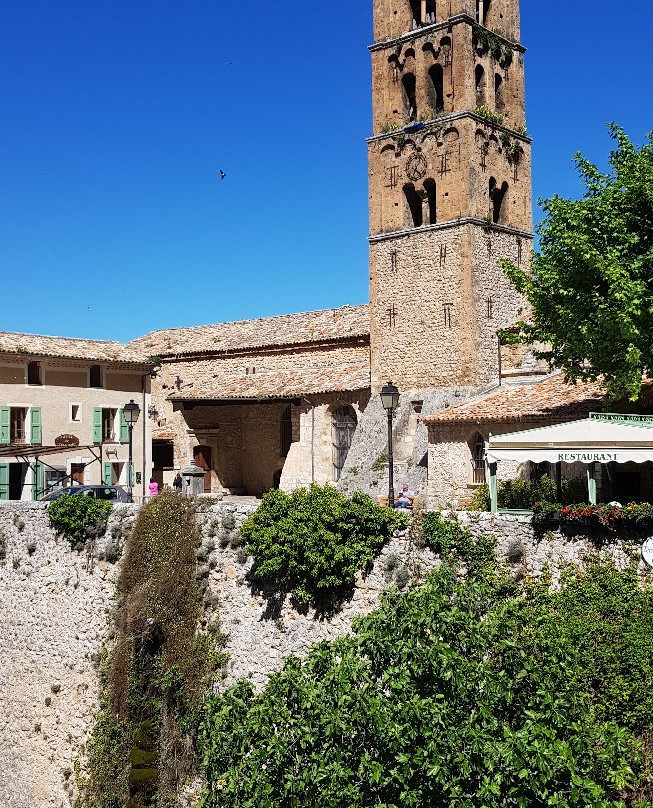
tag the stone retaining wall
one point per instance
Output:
(56, 611)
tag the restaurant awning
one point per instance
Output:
(601, 438)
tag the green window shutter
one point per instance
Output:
(36, 433)
(4, 424)
(107, 474)
(39, 481)
(97, 425)
(4, 480)
(124, 429)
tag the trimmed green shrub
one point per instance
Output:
(313, 542)
(466, 693)
(79, 518)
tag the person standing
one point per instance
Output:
(178, 483)
(153, 488)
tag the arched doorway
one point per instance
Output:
(343, 426)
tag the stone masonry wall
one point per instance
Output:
(56, 614)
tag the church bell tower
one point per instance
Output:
(450, 189)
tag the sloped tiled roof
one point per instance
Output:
(549, 400)
(287, 329)
(69, 348)
(282, 384)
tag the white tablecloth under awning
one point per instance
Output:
(593, 440)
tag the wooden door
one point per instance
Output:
(77, 473)
(202, 457)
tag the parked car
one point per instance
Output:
(112, 493)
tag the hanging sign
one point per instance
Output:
(66, 441)
(647, 552)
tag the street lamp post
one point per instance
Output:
(390, 401)
(131, 412)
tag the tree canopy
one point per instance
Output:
(470, 692)
(591, 286)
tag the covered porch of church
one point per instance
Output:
(272, 432)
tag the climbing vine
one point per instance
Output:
(485, 41)
(153, 682)
(468, 692)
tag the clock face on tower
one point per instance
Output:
(416, 166)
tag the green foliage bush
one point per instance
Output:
(523, 494)
(313, 542)
(79, 518)
(467, 692)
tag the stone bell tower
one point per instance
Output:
(450, 188)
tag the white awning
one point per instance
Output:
(601, 438)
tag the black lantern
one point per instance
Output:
(131, 413)
(390, 401)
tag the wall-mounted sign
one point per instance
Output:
(647, 552)
(622, 418)
(66, 441)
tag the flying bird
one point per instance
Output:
(223, 176)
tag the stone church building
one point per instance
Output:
(287, 400)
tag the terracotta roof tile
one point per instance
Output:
(282, 384)
(69, 348)
(287, 329)
(549, 400)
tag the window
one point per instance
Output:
(479, 77)
(108, 426)
(343, 426)
(498, 93)
(447, 314)
(497, 197)
(478, 460)
(95, 376)
(286, 431)
(414, 204)
(18, 425)
(430, 188)
(75, 413)
(482, 11)
(436, 88)
(410, 96)
(34, 373)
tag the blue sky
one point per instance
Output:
(117, 118)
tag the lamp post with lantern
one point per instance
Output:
(131, 412)
(390, 401)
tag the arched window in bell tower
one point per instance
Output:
(431, 200)
(499, 103)
(479, 80)
(414, 204)
(410, 95)
(416, 8)
(483, 11)
(436, 88)
(497, 199)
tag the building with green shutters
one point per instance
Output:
(61, 414)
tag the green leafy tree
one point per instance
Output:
(591, 287)
(313, 542)
(466, 693)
